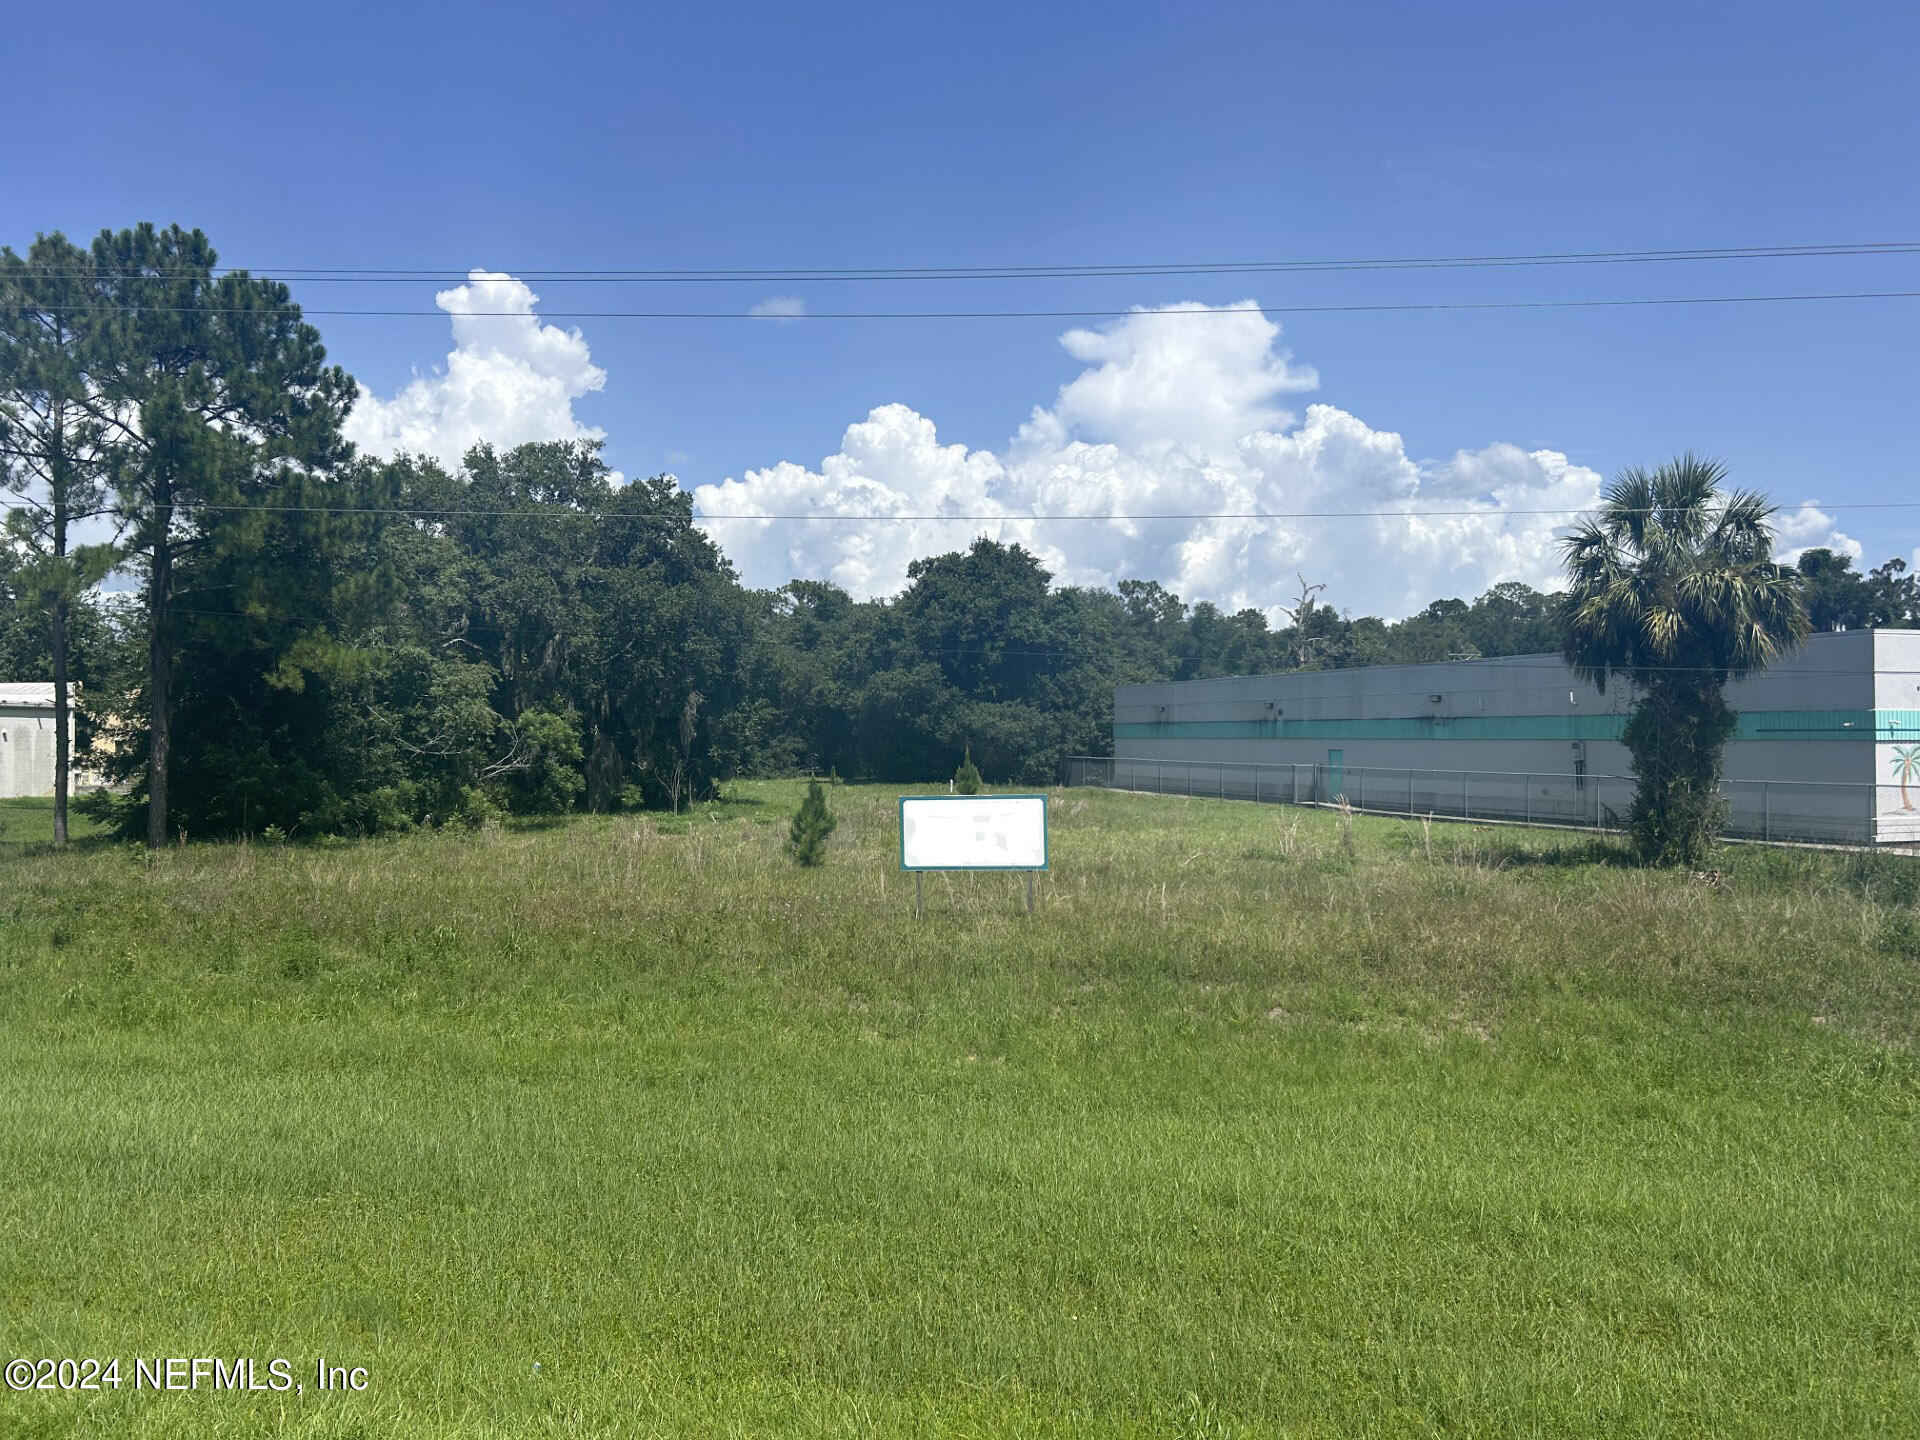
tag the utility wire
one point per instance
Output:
(432, 513)
(762, 274)
(1407, 307)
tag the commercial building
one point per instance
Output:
(26, 739)
(1828, 744)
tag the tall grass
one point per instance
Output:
(1268, 1122)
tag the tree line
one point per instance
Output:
(270, 630)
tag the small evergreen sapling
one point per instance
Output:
(966, 780)
(812, 823)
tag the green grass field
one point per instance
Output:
(25, 824)
(630, 1127)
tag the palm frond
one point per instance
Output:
(1674, 567)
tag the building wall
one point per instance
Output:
(26, 751)
(1816, 733)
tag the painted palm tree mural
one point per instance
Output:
(1906, 769)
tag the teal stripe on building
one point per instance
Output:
(1867, 725)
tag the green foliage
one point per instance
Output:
(1677, 735)
(478, 806)
(1673, 589)
(966, 780)
(1838, 597)
(372, 671)
(813, 822)
(980, 649)
(577, 594)
(546, 777)
(275, 662)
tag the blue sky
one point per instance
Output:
(524, 138)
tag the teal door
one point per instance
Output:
(1336, 774)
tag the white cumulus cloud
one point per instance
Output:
(1182, 411)
(1157, 379)
(509, 379)
(1178, 412)
(891, 463)
(1808, 527)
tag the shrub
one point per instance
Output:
(812, 824)
(966, 780)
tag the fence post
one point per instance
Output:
(1766, 811)
(1526, 796)
(1466, 795)
(1409, 792)
(1363, 791)
(1222, 778)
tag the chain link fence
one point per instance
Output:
(1788, 810)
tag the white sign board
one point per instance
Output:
(973, 832)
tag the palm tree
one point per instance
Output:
(1672, 588)
(1906, 769)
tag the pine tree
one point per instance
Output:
(50, 453)
(214, 405)
(812, 824)
(966, 780)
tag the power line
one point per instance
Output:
(763, 274)
(1175, 312)
(437, 513)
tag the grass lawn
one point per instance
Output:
(26, 824)
(630, 1127)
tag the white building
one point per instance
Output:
(1827, 748)
(27, 738)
